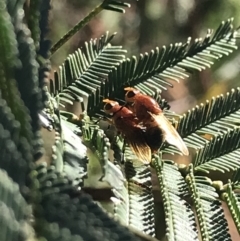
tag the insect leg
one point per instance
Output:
(104, 119)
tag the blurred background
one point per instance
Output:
(151, 23)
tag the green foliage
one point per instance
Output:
(16, 131)
(233, 201)
(84, 71)
(178, 213)
(47, 152)
(219, 120)
(9, 63)
(208, 208)
(14, 212)
(112, 5)
(136, 197)
(152, 71)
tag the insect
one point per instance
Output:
(151, 116)
(127, 124)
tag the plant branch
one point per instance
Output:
(106, 4)
(75, 29)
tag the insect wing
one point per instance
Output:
(170, 133)
(139, 145)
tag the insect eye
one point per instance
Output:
(108, 106)
(130, 94)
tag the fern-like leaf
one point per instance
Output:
(27, 79)
(8, 64)
(159, 68)
(218, 115)
(33, 21)
(236, 177)
(15, 151)
(43, 52)
(136, 205)
(179, 218)
(209, 211)
(116, 6)
(47, 181)
(83, 74)
(233, 201)
(82, 217)
(13, 8)
(14, 212)
(52, 232)
(221, 153)
(68, 152)
(74, 155)
(44, 45)
(133, 204)
(176, 61)
(95, 138)
(218, 120)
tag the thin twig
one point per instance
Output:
(76, 28)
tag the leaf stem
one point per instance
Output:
(76, 28)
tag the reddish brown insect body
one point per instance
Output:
(150, 114)
(127, 123)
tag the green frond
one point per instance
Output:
(209, 211)
(135, 207)
(47, 181)
(14, 149)
(157, 69)
(233, 201)
(52, 231)
(8, 63)
(162, 102)
(68, 153)
(180, 220)
(98, 143)
(13, 7)
(10, 228)
(218, 119)
(57, 152)
(83, 73)
(215, 116)
(72, 122)
(219, 154)
(14, 211)
(8, 122)
(133, 201)
(74, 155)
(51, 120)
(43, 52)
(95, 137)
(236, 177)
(117, 6)
(10, 195)
(33, 19)
(11, 158)
(28, 81)
(45, 8)
(81, 216)
(176, 61)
